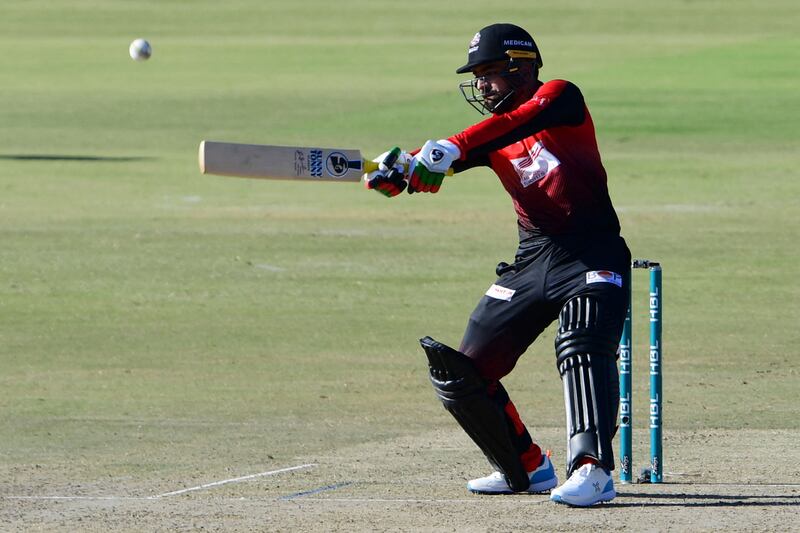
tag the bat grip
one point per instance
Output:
(390, 159)
(372, 166)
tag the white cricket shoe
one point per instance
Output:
(586, 486)
(542, 479)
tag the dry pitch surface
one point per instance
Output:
(733, 480)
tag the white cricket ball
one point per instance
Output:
(140, 50)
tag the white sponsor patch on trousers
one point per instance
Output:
(500, 293)
(603, 276)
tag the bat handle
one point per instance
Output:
(390, 159)
(372, 166)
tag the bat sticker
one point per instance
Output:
(315, 162)
(337, 164)
(299, 163)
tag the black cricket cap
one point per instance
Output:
(497, 42)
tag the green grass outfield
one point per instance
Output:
(156, 324)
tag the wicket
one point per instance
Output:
(656, 472)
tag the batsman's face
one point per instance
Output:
(491, 83)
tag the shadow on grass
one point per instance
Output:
(64, 157)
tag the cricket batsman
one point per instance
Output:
(571, 265)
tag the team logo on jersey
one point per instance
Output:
(535, 165)
(500, 293)
(541, 101)
(603, 276)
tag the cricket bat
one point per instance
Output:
(284, 162)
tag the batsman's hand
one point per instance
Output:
(390, 179)
(431, 163)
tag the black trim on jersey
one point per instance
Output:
(566, 109)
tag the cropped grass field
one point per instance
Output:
(162, 330)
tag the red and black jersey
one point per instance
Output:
(545, 154)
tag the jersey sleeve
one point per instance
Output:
(462, 164)
(556, 103)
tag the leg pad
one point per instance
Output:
(591, 397)
(586, 357)
(464, 394)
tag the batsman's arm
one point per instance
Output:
(556, 103)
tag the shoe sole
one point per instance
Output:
(489, 493)
(605, 497)
(542, 487)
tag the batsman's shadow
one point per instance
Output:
(697, 499)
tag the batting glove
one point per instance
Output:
(430, 165)
(389, 179)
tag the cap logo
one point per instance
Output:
(473, 44)
(517, 42)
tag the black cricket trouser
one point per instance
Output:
(529, 294)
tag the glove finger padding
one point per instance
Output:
(390, 184)
(425, 183)
(389, 179)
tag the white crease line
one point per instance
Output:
(71, 498)
(522, 500)
(232, 480)
(337, 500)
(747, 485)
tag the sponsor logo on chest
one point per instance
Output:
(535, 165)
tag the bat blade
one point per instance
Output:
(282, 162)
